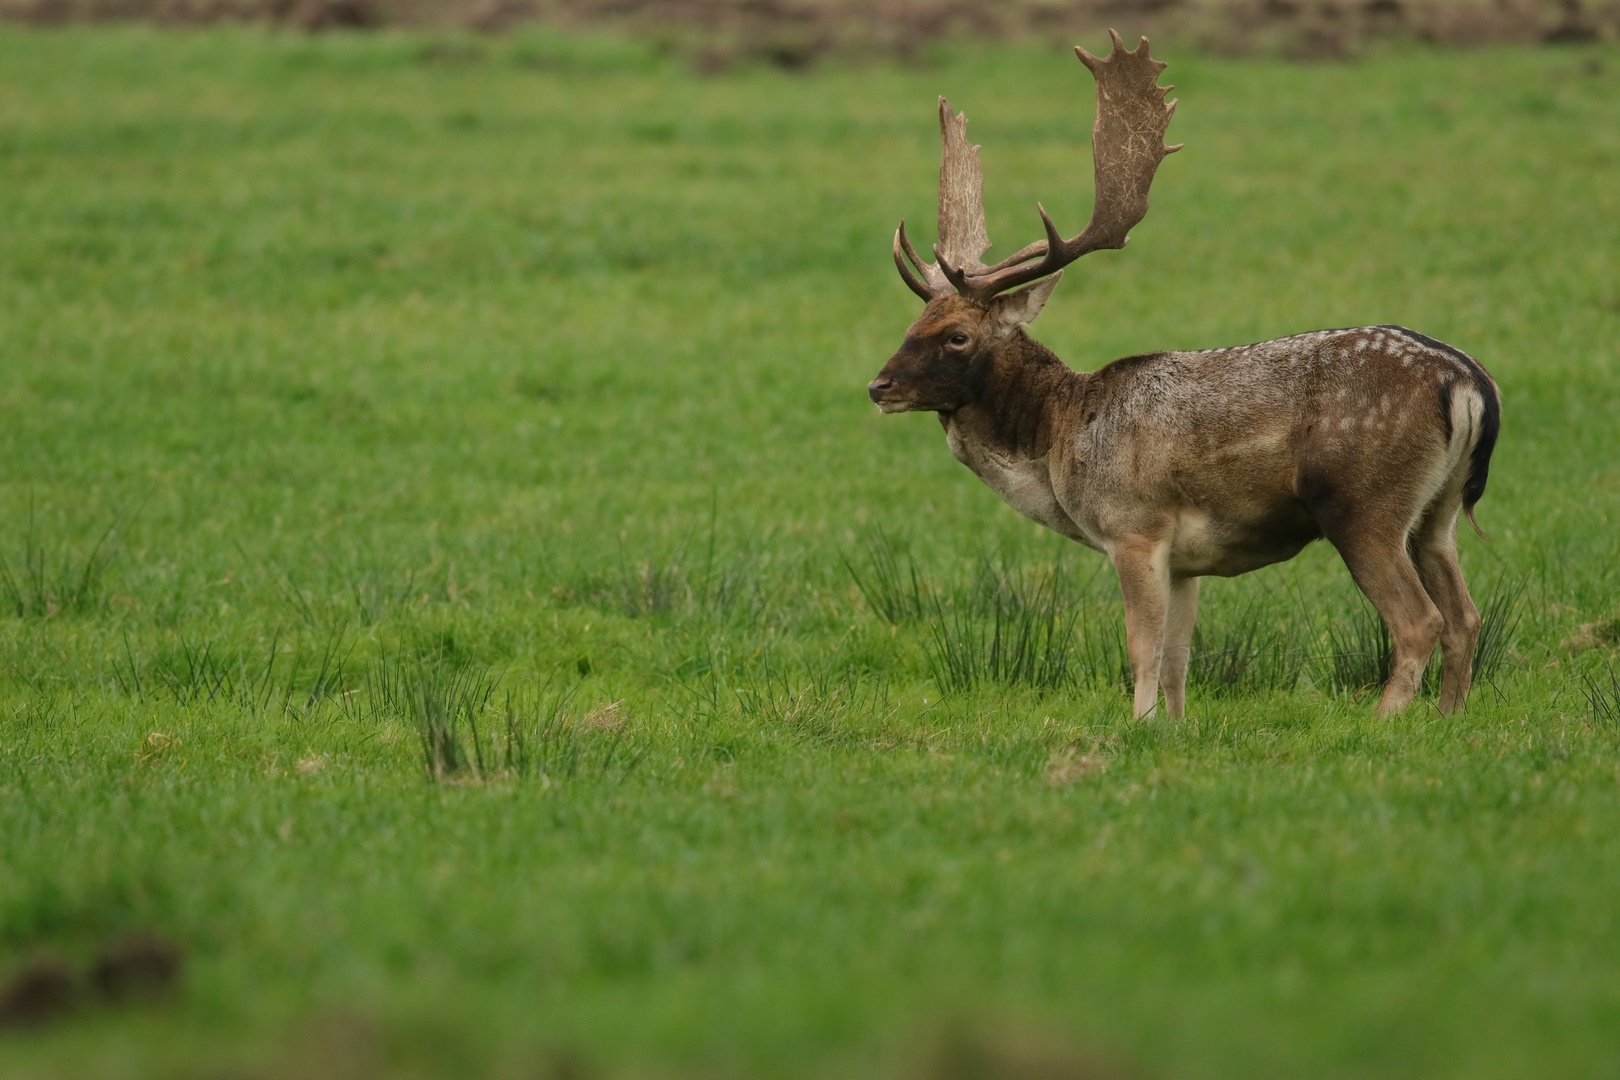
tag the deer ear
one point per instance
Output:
(1019, 307)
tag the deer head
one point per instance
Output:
(972, 308)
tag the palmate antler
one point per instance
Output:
(1127, 144)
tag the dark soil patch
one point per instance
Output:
(47, 988)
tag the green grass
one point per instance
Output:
(430, 492)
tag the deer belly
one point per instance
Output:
(1228, 546)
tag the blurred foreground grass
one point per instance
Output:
(364, 400)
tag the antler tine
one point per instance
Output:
(1127, 144)
(913, 282)
(957, 276)
(1022, 255)
(933, 278)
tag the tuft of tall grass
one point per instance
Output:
(1602, 693)
(374, 598)
(198, 675)
(540, 741)
(1020, 628)
(44, 583)
(737, 588)
(645, 587)
(1004, 626)
(328, 675)
(1025, 638)
(730, 585)
(464, 735)
(443, 701)
(1360, 653)
(890, 584)
(1247, 651)
(1499, 619)
(201, 673)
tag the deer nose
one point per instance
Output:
(878, 387)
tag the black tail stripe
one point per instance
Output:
(1479, 463)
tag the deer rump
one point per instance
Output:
(1179, 465)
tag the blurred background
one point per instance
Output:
(795, 33)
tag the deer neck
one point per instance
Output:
(1020, 400)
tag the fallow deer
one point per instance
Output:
(1179, 465)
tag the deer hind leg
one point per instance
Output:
(1178, 631)
(1384, 571)
(1434, 549)
(1143, 566)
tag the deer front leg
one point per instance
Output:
(1178, 631)
(1143, 566)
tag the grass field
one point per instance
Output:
(456, 587)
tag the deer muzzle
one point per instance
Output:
(883, 393)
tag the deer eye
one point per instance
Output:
(959, 339)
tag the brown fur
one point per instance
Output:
(1179, 465)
